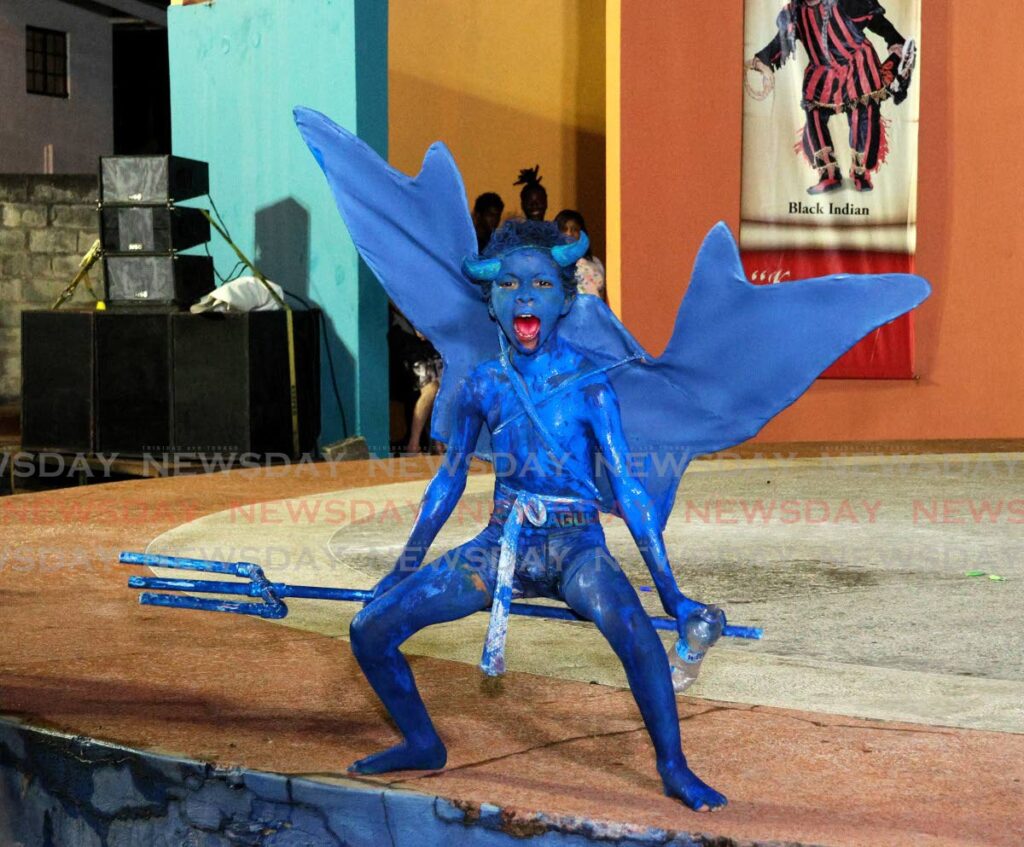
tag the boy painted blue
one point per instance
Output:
(529, 293)
(576, 417)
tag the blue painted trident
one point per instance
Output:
(271, 595)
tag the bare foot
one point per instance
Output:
(407, 756)
(683, 784)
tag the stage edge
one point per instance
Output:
(62, 789)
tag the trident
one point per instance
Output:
(270, 596)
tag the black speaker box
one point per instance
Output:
(133, 379)
(57, 391)
(132, 383)
(231, 382)
(151, 229)
(136, 180)
(170, 279)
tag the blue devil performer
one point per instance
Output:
(576, 417)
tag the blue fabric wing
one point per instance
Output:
(739, 353)
(413, 233)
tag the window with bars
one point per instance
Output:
(46, 61)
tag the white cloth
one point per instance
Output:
(245, 294)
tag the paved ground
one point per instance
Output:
(81, 656)
(856, 568)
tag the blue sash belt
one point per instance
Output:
(541, 510)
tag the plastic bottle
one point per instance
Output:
(703, 629)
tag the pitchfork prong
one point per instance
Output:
(256, 585)
(276, 609)
(201, 586)
(243, 569)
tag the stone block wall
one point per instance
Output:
(47, 223)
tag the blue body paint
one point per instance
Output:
(545, 456)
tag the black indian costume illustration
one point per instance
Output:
(843, 75)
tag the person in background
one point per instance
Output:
(589, 270)
(486, 216)
(533, 197)
(419, 377)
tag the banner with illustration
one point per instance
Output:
(830, 121)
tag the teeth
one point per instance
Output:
(527, 326)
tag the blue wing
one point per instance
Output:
(739, 353)
(413, 233)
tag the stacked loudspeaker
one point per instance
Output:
(142, 230)
(155, 383)
(146, 376)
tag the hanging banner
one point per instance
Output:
(830, 117)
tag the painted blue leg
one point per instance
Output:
(597, 589)
(445, 590)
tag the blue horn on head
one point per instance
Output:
(481, 270)
(569, 254)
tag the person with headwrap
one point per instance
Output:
(843, 74)
(533, 197)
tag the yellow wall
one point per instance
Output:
(506, 86)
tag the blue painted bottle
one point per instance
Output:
(703, 629)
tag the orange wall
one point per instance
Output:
(681, 131)
(506, 86)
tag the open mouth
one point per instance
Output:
(527, 328)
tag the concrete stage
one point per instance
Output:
(886, 706)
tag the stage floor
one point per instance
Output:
(857, 574)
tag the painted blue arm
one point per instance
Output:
(634, 504)
(444, 490)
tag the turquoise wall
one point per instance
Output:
(238, 67)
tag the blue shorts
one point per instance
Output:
(547, 556)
